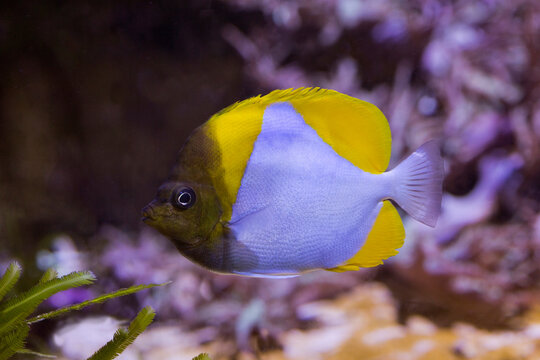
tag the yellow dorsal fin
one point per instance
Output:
(385, 237)
(356, 129)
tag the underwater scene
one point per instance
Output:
(272, 179)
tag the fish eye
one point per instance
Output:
(183, 198)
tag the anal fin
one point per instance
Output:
(386, 236)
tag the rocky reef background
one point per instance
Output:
(97, 98)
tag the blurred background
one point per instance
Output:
(97, 98)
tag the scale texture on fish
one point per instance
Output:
(291, 182)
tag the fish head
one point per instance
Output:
(186, 212)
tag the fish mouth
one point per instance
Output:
(147, 214)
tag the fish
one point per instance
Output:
(292, 182)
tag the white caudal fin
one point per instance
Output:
(418, 183)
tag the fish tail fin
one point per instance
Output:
(418, 183)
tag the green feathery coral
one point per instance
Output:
(122, 338)
(15, 324)
(9, 279)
